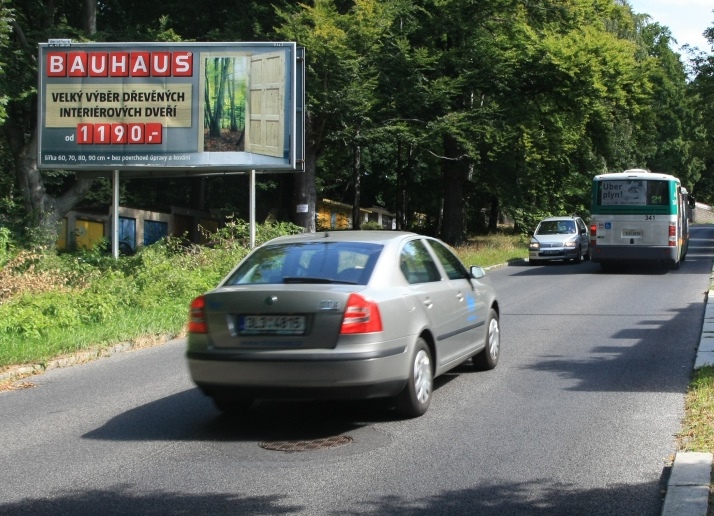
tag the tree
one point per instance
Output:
(34, 22)
(341, 78)
(447, 111)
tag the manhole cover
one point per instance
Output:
(307, 444)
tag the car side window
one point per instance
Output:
(416, 263)
(452, 265)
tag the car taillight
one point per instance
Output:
(361, 316)
(672, 234)
(197, 316)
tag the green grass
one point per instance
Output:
(697, 432)
(493, 250)
(131, 325)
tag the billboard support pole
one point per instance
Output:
(115, 216)
(252, 209)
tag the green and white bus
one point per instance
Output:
(638, 216)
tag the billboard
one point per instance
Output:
(200, 108)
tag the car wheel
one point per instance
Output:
(579, 256)
(488, 357)
(414, 400)
(231, 406)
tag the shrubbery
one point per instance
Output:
(54, 303)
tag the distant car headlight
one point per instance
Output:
(534, 246)
(570, 244)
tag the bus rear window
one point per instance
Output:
(638, 192)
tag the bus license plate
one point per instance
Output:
(271, 325)
(631, 233)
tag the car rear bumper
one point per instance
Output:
(307, 374)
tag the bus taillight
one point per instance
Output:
(672, 241)
(593, 234)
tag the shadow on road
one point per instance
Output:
(189, 415)
(536, 498)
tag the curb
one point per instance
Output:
(688, 486)
(15, 373)
(81, 357)
(705, 352)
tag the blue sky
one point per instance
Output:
(686, 19)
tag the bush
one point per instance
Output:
(6, 245)
(56, 303)
(371, 225)
(236, 233)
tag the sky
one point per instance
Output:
(686, 19)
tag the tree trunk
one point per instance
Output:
(306, 193)
(400, 193)
(90, 17)
(493, 215)
(305, 190)
(454, 174)
(357, 158)
(43, 211)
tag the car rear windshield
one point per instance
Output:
(309, 262)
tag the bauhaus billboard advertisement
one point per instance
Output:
(208, 107)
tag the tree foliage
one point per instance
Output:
(451, 113)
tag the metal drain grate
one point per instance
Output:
(307, 444)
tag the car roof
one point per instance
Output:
(560, 218)
(372, 236)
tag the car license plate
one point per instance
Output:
(549, 252)
(271, 325)
(631, 233)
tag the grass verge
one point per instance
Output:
(697, 432)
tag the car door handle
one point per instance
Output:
(428, 304)
(460, 297)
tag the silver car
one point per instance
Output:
(559, 238)
(339, 315)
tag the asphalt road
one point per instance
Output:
(579, 418)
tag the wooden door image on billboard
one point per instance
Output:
(265, 129)
(243, 102)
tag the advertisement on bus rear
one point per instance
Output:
(634, 193)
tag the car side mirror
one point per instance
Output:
(477, 272)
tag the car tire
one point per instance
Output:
(415, 398)
(231, 406)
(487, 358)
(579, 256)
